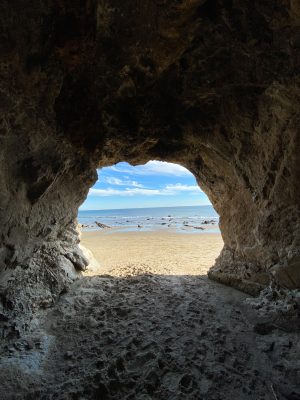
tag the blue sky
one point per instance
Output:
(155, 184)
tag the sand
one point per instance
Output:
(150, 325)
(162, 252)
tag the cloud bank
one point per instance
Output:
(168, 190)
(119, 182)
(151, 168)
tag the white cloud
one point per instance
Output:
(119, 182)
(178, 187)
(111, 180)
(152, 168)
(168, 190)
(125, 192)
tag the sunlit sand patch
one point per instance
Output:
(162, 253)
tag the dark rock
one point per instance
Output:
(263, 328)
(69, 355)
(29, 344)
(102, 226)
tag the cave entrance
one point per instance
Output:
(150, 218)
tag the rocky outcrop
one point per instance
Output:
(212, 85)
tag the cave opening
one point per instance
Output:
(212, 85)
(148, 218)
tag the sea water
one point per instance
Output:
(189, 219)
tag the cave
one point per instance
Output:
(212, 85)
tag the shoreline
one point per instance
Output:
(209, 229)
(179, 219)
(201, 228)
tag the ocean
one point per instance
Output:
(189, 219)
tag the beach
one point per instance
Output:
(146, 323)
(162, 252)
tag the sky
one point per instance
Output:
(155, 184)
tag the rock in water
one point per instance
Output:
(102, 226)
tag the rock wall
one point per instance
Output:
(212, 85)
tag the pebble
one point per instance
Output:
(29, 344)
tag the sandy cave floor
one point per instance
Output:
(140, 333)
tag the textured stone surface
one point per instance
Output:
(212, 85)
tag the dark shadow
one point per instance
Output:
(150, 337)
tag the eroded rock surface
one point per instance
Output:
(212, 85)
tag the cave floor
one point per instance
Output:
(152, 337)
